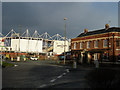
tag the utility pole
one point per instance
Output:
(65, 41)
(19, 36)
(18, 58)
(46, 44)
(113, 49)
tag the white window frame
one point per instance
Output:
(105, 43)
(81, 45)
(75, 45)
(95, 56)
(96, 42)
(88, 44)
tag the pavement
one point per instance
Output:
(0, 77)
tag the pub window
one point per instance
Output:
(96, 44)
(95, 56)
(88, 44)
(117, 43)
(105, 57)
(105, 43)
(81, 45)
(74, 45)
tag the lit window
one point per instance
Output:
(105, 43)
(96, 44)
(81, 45)
(88, 44)
(95, 56)
(74, 45)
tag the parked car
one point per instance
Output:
(33, 58)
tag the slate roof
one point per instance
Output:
(112, 29)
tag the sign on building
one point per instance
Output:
(58, 47)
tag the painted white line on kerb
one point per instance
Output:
(53, 80)
(59, 76)
(56, 65)
(64, 73)
(44, 85)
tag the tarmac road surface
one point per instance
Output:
(43, 74)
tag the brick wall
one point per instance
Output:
(100, 38)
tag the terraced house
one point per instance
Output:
(102, 45)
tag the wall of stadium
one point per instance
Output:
(58, 47)
(26, 45)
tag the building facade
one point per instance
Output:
(27, 45)
(102, 45)
(58, 47)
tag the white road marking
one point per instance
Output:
(15, 65)
(59, 76)
(44, 85)
(52, 80)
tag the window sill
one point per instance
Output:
(105, 47)
(96, 47)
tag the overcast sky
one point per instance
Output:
(49, 16)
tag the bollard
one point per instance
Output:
(74, 64)
(96, 63)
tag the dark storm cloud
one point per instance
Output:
(49, 17)
(119, 14)
(0, 17)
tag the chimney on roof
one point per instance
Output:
(106, 26)
(85, 30)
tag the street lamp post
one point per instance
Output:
(19, 36)
(65, 40)
(19, 42)
(113, 49)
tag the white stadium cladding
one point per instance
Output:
(34, 44)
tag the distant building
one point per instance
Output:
(2, 44)
(58, 47)
(102, 45)
(29, 45)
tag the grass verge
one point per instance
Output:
(6, 64)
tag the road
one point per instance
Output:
(43, 74)
(0, 77)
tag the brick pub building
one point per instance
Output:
(102, 45)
